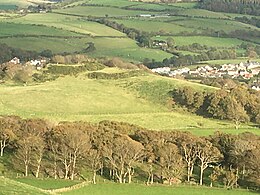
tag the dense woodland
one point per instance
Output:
(238, 104)
(123, 153)
(251, 7)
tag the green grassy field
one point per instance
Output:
(204, 40)
(154, 26)
(7, 7)
(124, 48)
(11, 29)
(68, 23)
(236, 61)
(139, 100)
(215, 24)
(101, 11)
(203, 13)
(134, 189)
(117, 3)
(46, 183)
(9, 186)
(157, 7)
(107, 40)
(20, 3)
(185, 5)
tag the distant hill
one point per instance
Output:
(167, 1)
(251, 7)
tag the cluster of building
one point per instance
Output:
(245, 70)
(37, 63)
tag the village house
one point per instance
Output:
(244, 70)
(15, 60)
(162, 70)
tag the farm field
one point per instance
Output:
(68, 23)
(119, 189)
(204, 13)
(215, 24)
(138, 100)
(12, 29)
(108, 42)
(39, 186)
(154, 26)
(47, 183)
(124, 48)
(204, 40)
(9, 186)
(101, 11)
(118, 3)
(20, 3)
(219, 62)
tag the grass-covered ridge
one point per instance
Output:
(117, 189)
(143, 100)
(9, 186)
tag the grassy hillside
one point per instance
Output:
(71, 20)
(139, 100)
(118, 189)
(9, 186)
(101, 11)
(68, 23)
(217, 42)
(61, 33)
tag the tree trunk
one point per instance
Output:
(201, 175)
(94, 177)
(38, 167)
(3, 144)
(73, 167)
(237, 178)
(66, 172)
(55, 169)
(26, 170)
(130, 173)
(37, 171)
(170, 181)
(119, 177)
(188, 175)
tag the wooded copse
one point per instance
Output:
(232, 6)
(238, 104)
(120, 152)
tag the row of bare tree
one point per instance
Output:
(120, 151)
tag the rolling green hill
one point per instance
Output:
(117, 189)
(9, 186)
(140, 100)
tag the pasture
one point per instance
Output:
(230, 61)
(10, 4)
(139, 189)
(9, 186)
(124, 48)
(68, 23)
(154, 26)
(46, 183)
(12, 29)
(101, 11)
(117, 3)
(139, 100)
(203, 13)
(215, 24)
(204, 40)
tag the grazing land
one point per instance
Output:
(9, 186)
(139, 100)
(118, 189)
(129, 130)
